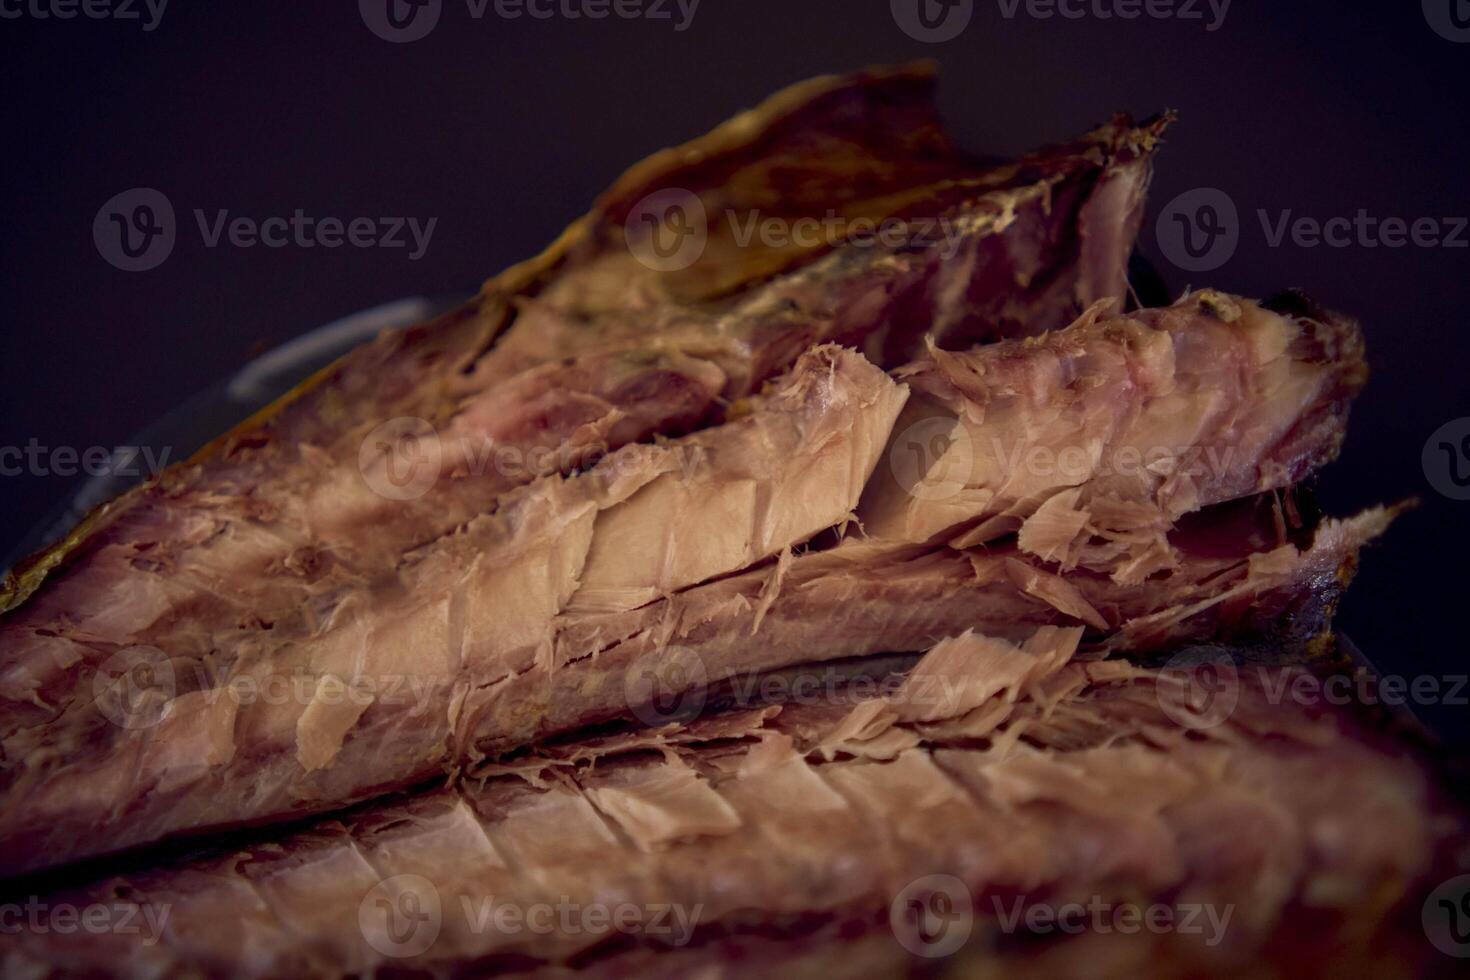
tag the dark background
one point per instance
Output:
(504, 130)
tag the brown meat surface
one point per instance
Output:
(552, 613)
(1037, 782)
(159, 744)
(289, 531)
